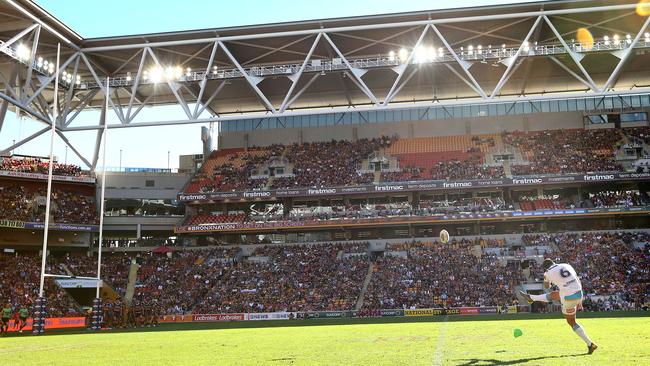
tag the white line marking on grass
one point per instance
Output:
(437, 355)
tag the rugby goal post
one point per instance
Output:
(40, 306)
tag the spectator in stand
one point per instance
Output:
(35, 165)
(565, 151)
(295, 278)
(27, 204)
(435, 275)
(20, 281)
(609, 264)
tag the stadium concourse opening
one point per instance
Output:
(417, 168)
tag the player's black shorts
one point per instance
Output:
(5, 321)
(23, 319)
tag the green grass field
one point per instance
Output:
(442, 341)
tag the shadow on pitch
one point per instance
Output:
(494, 362)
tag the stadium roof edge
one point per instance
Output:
(55, 23)
(45, 18)
(321, 22)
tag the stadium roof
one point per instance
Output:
(470, 55)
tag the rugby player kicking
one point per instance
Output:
(570, 295)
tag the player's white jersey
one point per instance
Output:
(564, 277)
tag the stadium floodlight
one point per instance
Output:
(479, 49)
(178, 72)
(78, 82)
(169, 73)
(526, 46)
(617, 40)
(22, 52)
(188, 72)
(647, 37)
(145, 75)
(391, 55)
(156, 74)
(441, 52)
(39, 62)
(628, 39)
(431, 54)
(420, 54)
(606, 39)
(470, 50)
(403, 54)
(214, 70)
(128, 76)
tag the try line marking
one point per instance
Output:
(437, 355)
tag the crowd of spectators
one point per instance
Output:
(609, 264)
(177, 282)
(333, 163)
(20, 281)
(619, 199)
(338, 163)
(614, 269)
(295, 278)
(35, 165)
(565, 151)
(304, 214)
(641, 133)
(441, 275)
(20, 203)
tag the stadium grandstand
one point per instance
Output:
(332, 154)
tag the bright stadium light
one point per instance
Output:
(526, 46)
(169, 72)
(431, 54)
(441, 52)
(391, 55)
(214, 70)
(617, 40)
(128, 76)
(188, 72)
(156, 74)
(420, 54)
(479, 49)
(628, 39)
(23, 52)
(470, 50)
(39, 62)
(606, 39)
(647, 37)
(145, 75)
(403, 54)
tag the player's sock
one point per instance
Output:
(581, 333)
(542, 297)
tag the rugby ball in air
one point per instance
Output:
(444, 236)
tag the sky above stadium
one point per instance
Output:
(150, 147)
